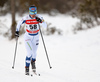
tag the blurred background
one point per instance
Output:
(86, 11)
(72, 39)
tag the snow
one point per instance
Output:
(73, 57)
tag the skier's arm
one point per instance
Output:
(43, 23)
(18, 27)
(41, 20)
(19, 24)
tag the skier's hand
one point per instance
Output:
(38, 19)
(17, 33)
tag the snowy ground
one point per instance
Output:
(74, 58)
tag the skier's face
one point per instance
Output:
(33, 15)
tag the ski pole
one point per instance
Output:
(15, 52)
(44, 47)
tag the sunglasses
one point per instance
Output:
(33, 13)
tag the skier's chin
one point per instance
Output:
(33, 15)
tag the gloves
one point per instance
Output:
(17, 33)
(38, 19)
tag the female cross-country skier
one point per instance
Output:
(31, 36)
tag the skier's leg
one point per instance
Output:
(35, 43)
(28, 45)
(33, 65)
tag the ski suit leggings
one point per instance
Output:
(31, 44)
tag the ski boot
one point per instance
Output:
(26, 70)
(33, 66)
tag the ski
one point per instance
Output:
(33, 74)
(36, 73)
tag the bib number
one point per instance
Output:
(33, 26)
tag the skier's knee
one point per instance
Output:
(33, 59)
(28, 58)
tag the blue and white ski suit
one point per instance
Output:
(31, 36)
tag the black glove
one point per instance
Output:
(38, 19)
(17, 33)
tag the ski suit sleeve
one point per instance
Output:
(43, 22)
(20, 23)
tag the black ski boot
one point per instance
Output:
(33, 66)
(26, 70)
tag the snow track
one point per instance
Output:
(73, 57)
